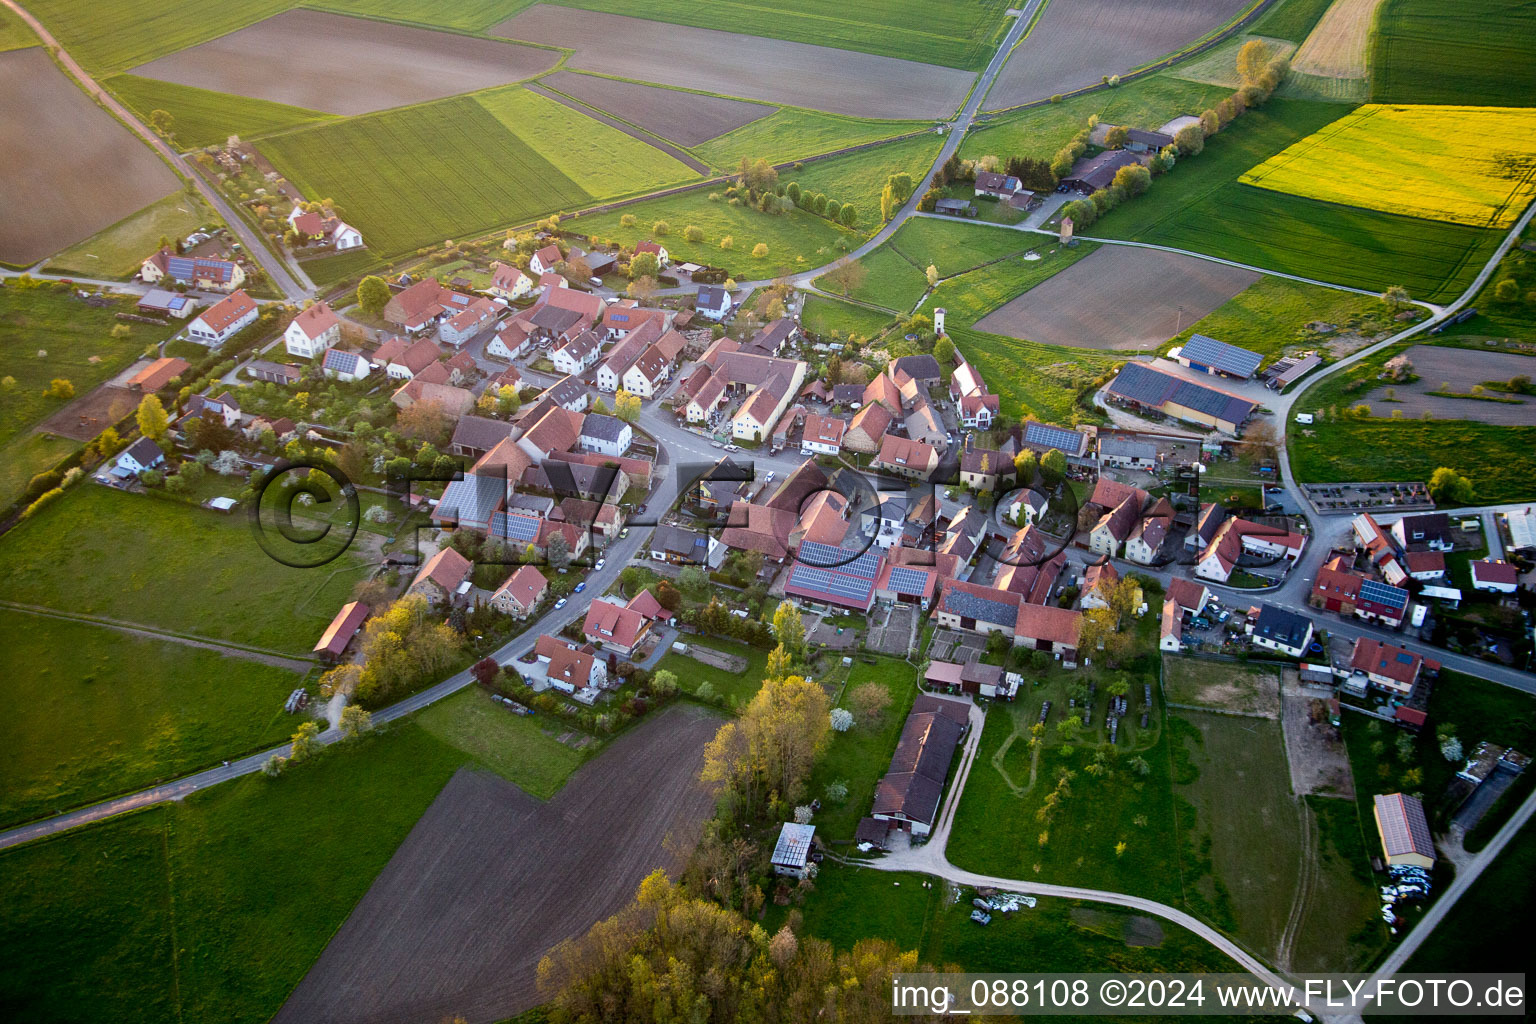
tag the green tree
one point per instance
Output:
(789, 629)
(1449, 488)
(1116, 137)
(153, 422)
(760, 250)
(304, 743)
(373, 294)
(1252, 59)
(944, 351)
(355, 721)
(1053, 466)
(1396, 297)
(644, 264)
(1024, 465)
(1133, 180)
(161, 121)
(849, 216)
(693, 233)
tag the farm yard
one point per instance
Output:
(490, 878)
(68, 168)
(415, 176)
(840, 81)
(1415, 161)
(1471, 52)
(685, 118)
(954, 33)
(202, 117)
(364, 66)
(1118, 299)
(96, 711)
(601, 160)
(1073, 46)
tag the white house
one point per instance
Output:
(224, 407)
(655, 248)
(141, 455)
(345, 236)
(713, 302)
(344, 365)
(467, 322)
(823, 435)
(511, 342)
(312, 332)
(545, 260)
(606, 435)
(1281, 630)
(1494, 576)
(577, 355)
(1029, 504)
(223, 320)
(1171, 634)
(646, 375)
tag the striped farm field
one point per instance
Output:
(418, 175)
(1336, 47)
(201, 117)
(1465, 165)
(1470, 51)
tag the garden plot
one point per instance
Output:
(684, 117)
(1118, 299)
(490, 879)
(773, 70)
(67, 169)
(1458, 371)
(1464, 165)
(1074, 45)
(343, 65)
(1222, 686)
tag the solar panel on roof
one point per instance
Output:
(514, 527)
(912, 582)
(1384, 594)
(1055, 437)
(1221, 356)
(830, 556)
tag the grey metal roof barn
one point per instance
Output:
(1143, 385)
(1216, 355)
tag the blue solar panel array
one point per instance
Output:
(186, 268)
(812, 582)
(518, 528)
(1384, 594)
(912, 582)
(1052, 437)
(829, 556)
(1218, 355)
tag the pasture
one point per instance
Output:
(1336, 46)
(364, 65)
(1470, 52)
(177, 912)
(140, 552)
(96, 711)
(859, 178)
(520, 749)
(685, 118)
(803, 75)
(1430, 162)
(119, 251)
(204, 118)
(894, 282)
(1040, 131)
(415, 176)
(1202, 206)
(896, 271)
(490, 879)
(1270, 316)
(795, 240)
(862, 755)
(1072, 46)
(67, 167)
(600, 159)
(14, 33)
(1119, 299)
(791, 133)
(955, 33)
(823, 316)
(1218, 65)
(1495, 459)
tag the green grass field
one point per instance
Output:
(601, 160)
(1479, 932)
(791, 133)
(468, 15)
(328, 270)
(859, 178)
(118, 251)
(95, 711)
(14, 33)
(822, 316)
(418, 175)
(1040, 131)
(955, 33)
(1270, 316)
(1200, 206)
(737, 687)
(214, 907)
(796, 240)
(115, 37)
(171, 565)
(517, 748)
(1475, 51)
(207, 118)
(1291, 19)
(861, 756)
(893, 281)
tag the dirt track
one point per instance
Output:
(1075, 44)
(490, 879)
(346, 65)
(775, 70)
(684, 117)
(1119, 298)
(67, 169)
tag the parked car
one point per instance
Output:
(716, 444)
(581, 586)
(769, 478)
(624, 533)
(560, 604)
(599, 566)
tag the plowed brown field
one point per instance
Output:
(686, 118)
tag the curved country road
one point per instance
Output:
(254, 246)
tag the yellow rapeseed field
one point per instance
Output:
(1465, 165)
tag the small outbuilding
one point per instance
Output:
(1405, 836)
(792, 853)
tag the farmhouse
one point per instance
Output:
(223, 320)
(909, 795)
(404, 359)
(508, 282)
(752, 527)
(473, 436)
(924, 369)
(142, 455)
(422, 304)
(1097, 579)
(771, 339)
(521, 593)
(1151, 532)
(712, 302)
(997, 185)
(1379, 549)
(1494, 576)
(1137, 140)
(578, 354)
(792, 852)
(327, 228)
(1217, 358)
(159, 302)
(193, 271)
(986, 610)
(1092, 173)
(333, 642)
(655, 249)
(441, 577)
(1140, 386)
(1404, 831)
(981, 469)
(312, 332)
(1280, 630)
(1237, 537)
(648, 372)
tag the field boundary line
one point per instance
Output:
(232, 648)
(635, 132)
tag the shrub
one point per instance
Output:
(45, 481)
(728, 242)
(693, 233)
(660, 228)
(627, 220)
(760, 250)
(43, 501)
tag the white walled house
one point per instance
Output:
(545, 260)
(312, 332)
(223, 320)
(508, 282)
(606, 435)
(345, 365)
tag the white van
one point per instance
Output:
(1303, 417)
